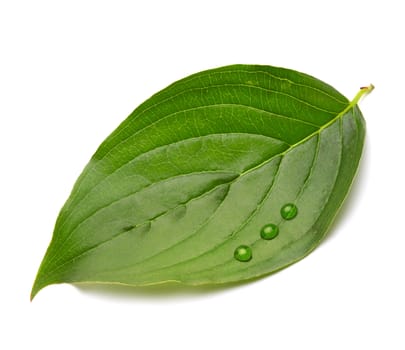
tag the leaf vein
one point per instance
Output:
(187, 110)
(230, 236)
(140, 224)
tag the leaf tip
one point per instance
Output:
(35, 289)
(41, 281)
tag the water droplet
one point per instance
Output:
(269, 231)
(179, 212)
(289, 211)
(243, 253)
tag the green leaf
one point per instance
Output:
(185, 189)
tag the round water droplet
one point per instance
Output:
(243, 253)
(179, 212)
(269, 231)
(289, 211)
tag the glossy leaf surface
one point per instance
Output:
(198, 170)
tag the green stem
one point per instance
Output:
(363, 91)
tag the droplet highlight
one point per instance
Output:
(269, 231)
(289, 211)
(243, 253)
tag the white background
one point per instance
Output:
(71, 71)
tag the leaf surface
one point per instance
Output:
(198, 170)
